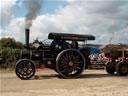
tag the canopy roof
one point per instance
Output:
(66, 36)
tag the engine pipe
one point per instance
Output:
(27, 38)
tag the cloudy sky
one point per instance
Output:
(107, 20)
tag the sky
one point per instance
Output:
(107, 20)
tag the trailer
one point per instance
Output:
(118, 59)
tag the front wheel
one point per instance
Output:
(122, 68)
(25, 69)
(110, 69)
(70, 63)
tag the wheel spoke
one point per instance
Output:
(67, 70)
(67, 55)
(63, 70)
(71, 55)
(65, 66)
(77, 67)
(63, 62)
(70, 71)
(76, 57)
(78, 62)
(65, 58)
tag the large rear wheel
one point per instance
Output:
(70, 63)
(122, 68)
(25, 69)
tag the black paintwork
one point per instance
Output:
(66, 36)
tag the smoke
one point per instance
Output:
(33, 7)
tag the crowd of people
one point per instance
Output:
(98, 57)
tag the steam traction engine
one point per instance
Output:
(63, 55)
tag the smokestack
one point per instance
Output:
(27, 38)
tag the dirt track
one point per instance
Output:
(91, 83)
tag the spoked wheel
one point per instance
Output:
(110, 69)
(25, 69)
(70, 63)
(122, 68)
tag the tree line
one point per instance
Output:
(9, 52)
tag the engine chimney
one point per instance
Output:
(27, 38)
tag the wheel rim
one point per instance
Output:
(71, 64)
(25, 69)
(124, 68)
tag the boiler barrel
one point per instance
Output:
(31, 54)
